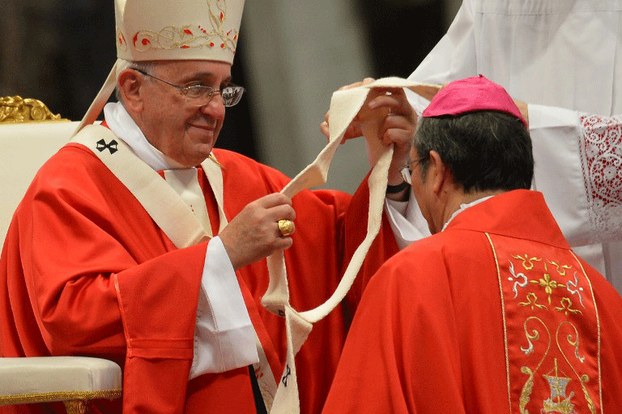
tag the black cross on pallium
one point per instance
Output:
(288, 372)
(102, 145)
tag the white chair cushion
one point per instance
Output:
(37, 379)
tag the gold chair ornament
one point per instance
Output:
(15, 109)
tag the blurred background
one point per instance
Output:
(292, 55)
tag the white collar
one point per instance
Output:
(464, 207)
(124, 127)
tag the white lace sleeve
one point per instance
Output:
(601, 155)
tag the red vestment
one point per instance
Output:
(494, 314)
(86, 271)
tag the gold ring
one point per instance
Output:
(286, 227)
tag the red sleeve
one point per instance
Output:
(158, 302)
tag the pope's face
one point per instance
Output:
(183, 129)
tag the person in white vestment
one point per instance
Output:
(552, 54)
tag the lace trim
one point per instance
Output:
(601, 154)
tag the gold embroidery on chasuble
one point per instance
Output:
(551, 329)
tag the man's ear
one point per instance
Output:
(129, 85)
(438, 172)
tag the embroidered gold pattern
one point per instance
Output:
(573, 340)
(566, 306)
(526, 391)
(188, 36)
(558, 402)
(548, 283)
(532, 302)
(561, 269)
(586, 394)
(555, 371)
(527, 261)
(534, 336)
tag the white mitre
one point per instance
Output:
(149, 30)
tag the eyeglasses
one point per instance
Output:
(407, 170)
(203, 94)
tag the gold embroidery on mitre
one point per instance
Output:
(211, 36)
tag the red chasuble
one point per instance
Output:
(493, 315)
(85, 271)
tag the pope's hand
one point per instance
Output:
(400, 119)
(524, 110)
(254, 233)
(354, 129)
(394, 122)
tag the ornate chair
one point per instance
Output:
(29, 135)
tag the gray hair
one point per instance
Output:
(485, 150)
(143, 66)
